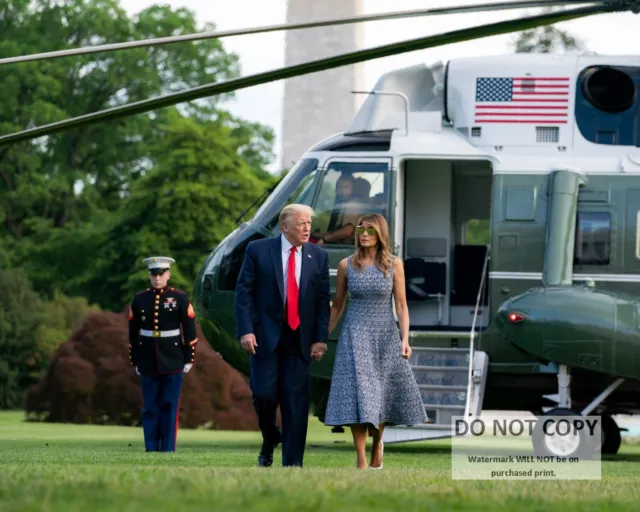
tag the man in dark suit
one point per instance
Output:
(282, 316)
(159, 352)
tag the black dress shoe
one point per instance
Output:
(265, 458)
(265, 461)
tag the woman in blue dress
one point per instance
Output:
(372, 384)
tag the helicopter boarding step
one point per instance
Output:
(443, 376)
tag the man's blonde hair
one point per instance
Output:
(291, 209)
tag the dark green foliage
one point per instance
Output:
(19, 320)
(31, 329)
(80, 210)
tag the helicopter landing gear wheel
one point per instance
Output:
(611, 438)
(562, 437)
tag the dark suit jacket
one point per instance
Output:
(260, 295)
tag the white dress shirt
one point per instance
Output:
(286, 251)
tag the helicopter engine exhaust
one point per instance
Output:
(561, 227)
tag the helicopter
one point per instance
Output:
(511, 185)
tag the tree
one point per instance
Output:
(31, 329)
(90, 380)
(546, 39)
(182, 207)
(80, 210)
(64, 199)
(65, 178)
(60, 317)
(19, 320)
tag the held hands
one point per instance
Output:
(187, 367)
(406, 350)
(248, 342)
(318, 350)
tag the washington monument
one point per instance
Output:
(320, 104)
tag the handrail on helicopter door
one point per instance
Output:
(485, 267)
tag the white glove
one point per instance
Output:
(187, 367)
(137, 371)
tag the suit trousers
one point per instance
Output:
(283, 378)
(160, 410)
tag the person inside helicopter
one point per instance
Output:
(349, 203)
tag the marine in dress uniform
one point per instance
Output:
(160, 353)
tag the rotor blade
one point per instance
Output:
(456, 36)
(293, 26)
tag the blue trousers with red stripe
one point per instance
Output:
(160, 410)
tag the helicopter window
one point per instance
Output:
(348, 191)
(232, 259)
(296, 187)
(303, 194)
(477, 232)
(593, 238)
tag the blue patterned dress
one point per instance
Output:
(372, 383)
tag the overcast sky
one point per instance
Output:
(604, 34)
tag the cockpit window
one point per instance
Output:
(348, 191)
(296, 187)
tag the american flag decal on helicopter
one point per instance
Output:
(539, 100)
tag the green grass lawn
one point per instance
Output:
(48, 467)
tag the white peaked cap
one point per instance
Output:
(159, 262)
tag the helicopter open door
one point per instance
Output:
(445, 236)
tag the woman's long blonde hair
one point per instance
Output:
(383, 249)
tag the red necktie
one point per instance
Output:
(292, 292)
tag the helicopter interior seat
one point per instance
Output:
(378, 204)
(425, 272)
(361, 198)
(361, 189)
